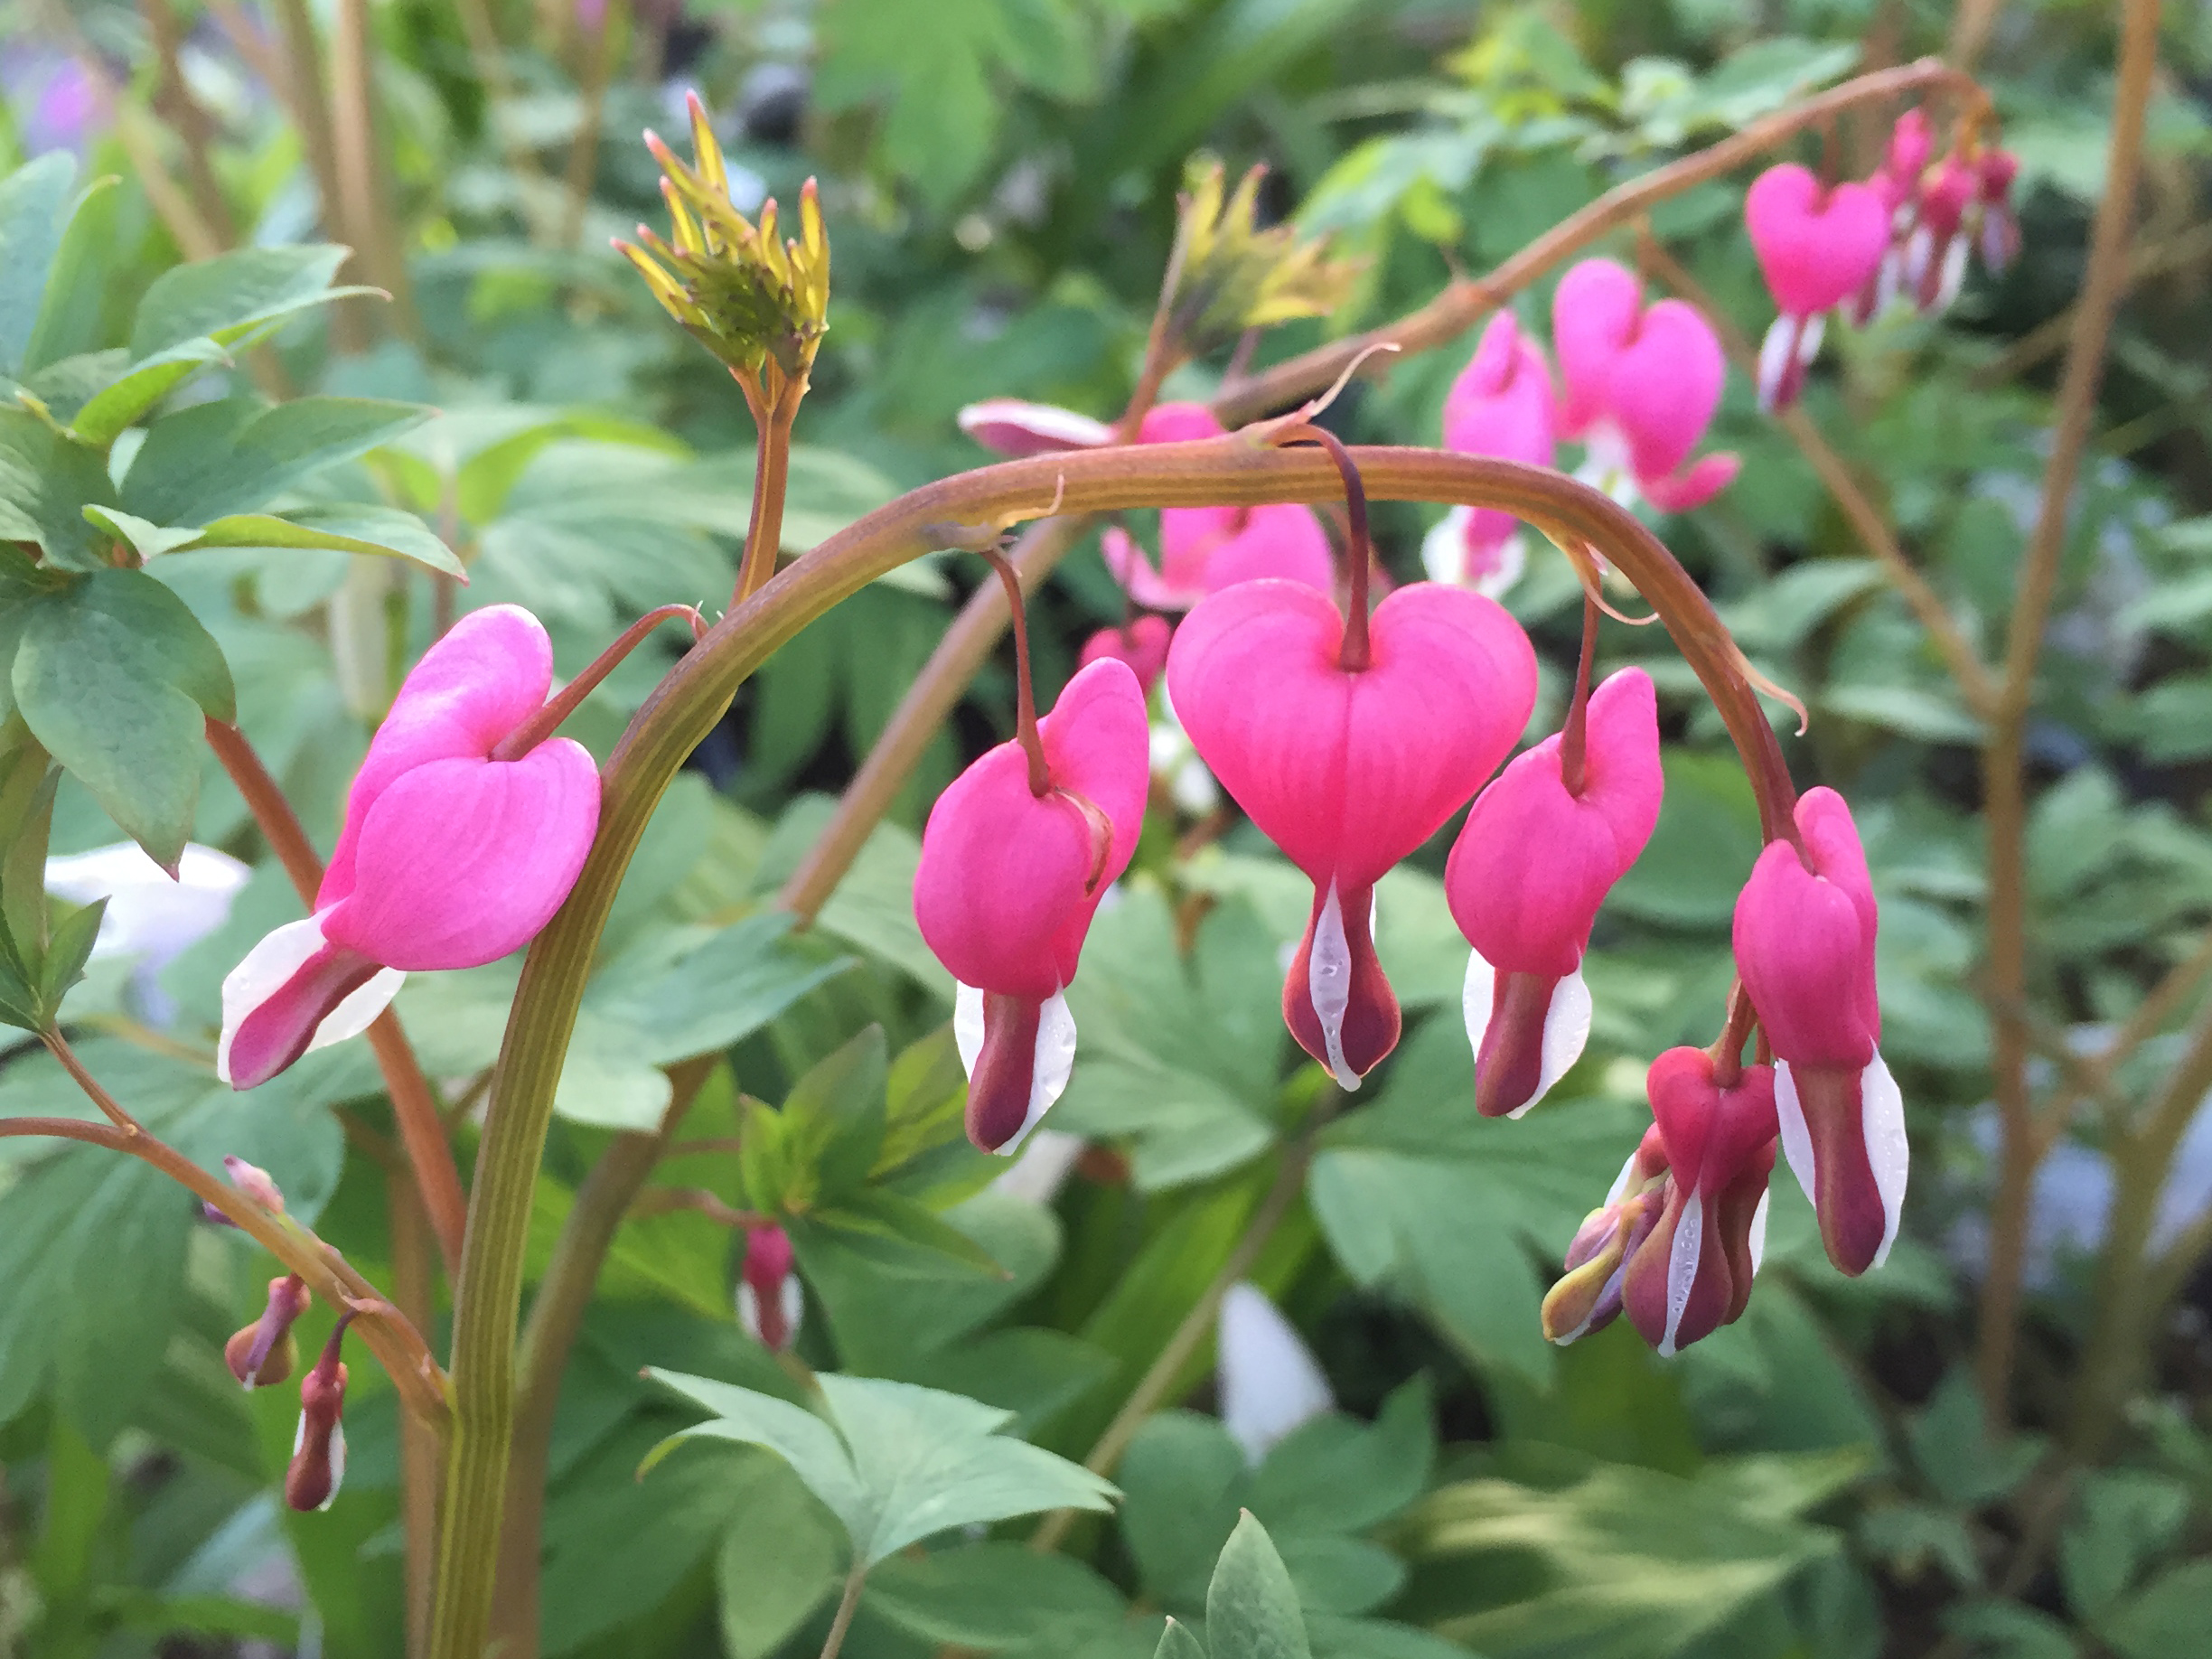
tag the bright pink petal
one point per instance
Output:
(488, 673)
(1664, 386)
(1695, 485)
(1816, 244)
(1142, 644)
(1348, 772)
(1177, 423)
(1283, 540)
(1594, 312)
(1098, 743)
(459, 862)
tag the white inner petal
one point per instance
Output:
(1444, 548)
(1774, 361)
(968, 1026)
(1621, 1182)
(337, 1462)
(1759, 1232)
(358, 1010)
(1681, 1268)
(1796, 1139)
(1566, 1031)
(1953, 273)
(1056, 1063)
(792, 1295)
(1328, 981)
(1478, 998)
(1881, 1114)
(1512, 559)
(748, 1311)
(1919, 249)
(257, 977)
(1809, 341)
(1270, 1381)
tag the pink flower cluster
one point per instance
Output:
(1854, 247)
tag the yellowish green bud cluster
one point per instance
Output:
(1233, 275)
(758, 302)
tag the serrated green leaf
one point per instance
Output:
(876, 1213)
(46, 482)
(989, 1596)
(1252, 1608)
(780, 1559)
(35, 204)
(384, 530)
(115, 676)
(234, 456)
(803, 1440)
(66, 954)
(833, 1117)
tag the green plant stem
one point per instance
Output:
(556, 1317)
(194, 129)
(488, 53)
(583, 148)
(422, 1131)
(397, 1345)
(773, 417)
(421, 1467)
(684, 708)
(1159, 1379)
(1466, 302)
(2004, 780)
(848, 1604)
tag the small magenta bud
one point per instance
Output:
(264, 1353)
(770, 1301)
(318, 1447)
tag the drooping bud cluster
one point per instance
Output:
(1678, 1239)
(457, 848)
(771, 1302)
(318, 1446)
(1854, 248)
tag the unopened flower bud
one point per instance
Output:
(770, 1300)
(318, 1446)
(254, 1182)
(263, 1353)
(1588, 1296)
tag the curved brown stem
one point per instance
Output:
(570, 696)
(1574, 732)
(1025, 692)
(1466, 303)
(1356, 651)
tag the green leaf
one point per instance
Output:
(685, 991)
(35, 208)
(66, 954)
(1951, 1444)
(1177, 1642)
(833, 1117)
(1185, 1483)
(1252, 1609)
(2168, 1616)
(46, 482)
(2123, 1520)
(236, 455)
(194, 314)
(1335, 1474)
(803, 1440)
(987, 1596)
(2006, 1630)
(346, 529)
(115, 676)
(20, 1003)
(881, 1214)
(780, 1559)
(149, 541)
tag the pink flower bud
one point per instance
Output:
(318, 1446)
(1011, 428)
(1999, 241)
(451, 856)
(255, 1182)
(1349, 770)
(1804, 946)
(1531, 866)
(1693, 1274)
(263, 1353)
(1501, 405)
(1142, 644)
(1009, 882)
(1911, 142)
(1934, 265)
(1640, 385)
(770, 1301)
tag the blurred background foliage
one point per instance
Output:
(1823, 1479)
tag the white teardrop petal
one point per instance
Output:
(968, 1025)
(1054, 1064)
(792, 1296)
(1796, 1138)
(1773, 359)
(1328, 981)
(258, 975)
(1681, 1268)
(748, 1311)
(337, 1463)
(1809, 340)
(1621, 1182)
(1444, 548)
(1881, 1114)
(357, 1011)
(1512, 560)
(1566, 1033)
(1269, 1381)
(1758, 1233)
(1478, 998)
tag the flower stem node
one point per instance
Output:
(1532, 864)
(1009, 879)
(759, 303)
(1805, 935)
(454, 853)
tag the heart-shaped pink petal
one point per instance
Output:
(1594, 310)
(1666, 384)
(1817, 244)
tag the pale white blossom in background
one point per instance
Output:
(1041, 1168)
(150, 917)
(1269, 1381)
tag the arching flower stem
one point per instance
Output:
(1025, 692)
(1356, 651)
(1727, 1049)
(570, 696)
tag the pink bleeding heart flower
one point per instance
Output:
(2000, 238)
(1012, 427)
(1501, 405)
(1936, 252)
(1640, 386)
(1897, 183)
(1817, 244)
(1804, 946)
(1143, 643)
(1013, 867)
(453, 854)
(318, 1464)
(1692, 1274)
(771, 1303)
(1534, 862)
(1349, 768)
(1204, 549)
